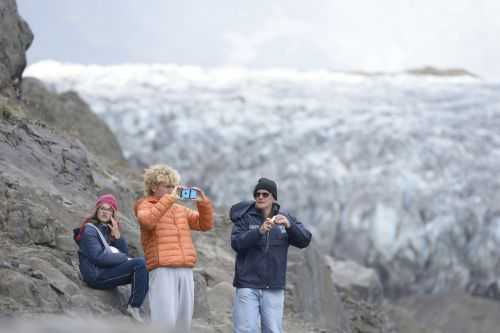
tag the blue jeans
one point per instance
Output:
(255, 308)
(132, 271)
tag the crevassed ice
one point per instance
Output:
(402, 160)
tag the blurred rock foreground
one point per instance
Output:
(56, 157)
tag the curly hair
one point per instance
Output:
(157, 174)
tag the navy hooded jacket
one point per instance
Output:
(93, 256)
(261, 260)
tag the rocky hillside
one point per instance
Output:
(68, 113)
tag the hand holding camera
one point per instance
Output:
(187, 193)
(281, 219)
(201, 194)
(190, 193)
(267, 225)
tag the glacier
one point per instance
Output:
(398, 172)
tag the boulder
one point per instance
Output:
(360, 282)
(311, 291)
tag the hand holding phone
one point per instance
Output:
(201, 194)
(188, 193)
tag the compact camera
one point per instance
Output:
(188, 193)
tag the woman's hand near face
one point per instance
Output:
(115, 229)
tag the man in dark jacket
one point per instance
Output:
(261, 235)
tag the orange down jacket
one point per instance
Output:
(166, 230)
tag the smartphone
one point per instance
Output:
(188, 193)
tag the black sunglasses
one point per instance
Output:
(263, 194)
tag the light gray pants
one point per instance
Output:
(171, 298)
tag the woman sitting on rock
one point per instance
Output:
(103, 254)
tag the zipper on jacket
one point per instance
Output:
(267, 242)
(266, 252)
(274, 211)
(179, 239)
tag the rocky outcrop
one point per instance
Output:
(433, 71)
(311, 287)
(15, 38)
(422, 71)
(68, 113)
(357, 281)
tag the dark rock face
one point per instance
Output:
(38, 174)
(15, 38)
(67, 112)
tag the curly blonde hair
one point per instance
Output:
(157, 174)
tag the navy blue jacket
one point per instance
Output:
(92, 254)
(261, 260)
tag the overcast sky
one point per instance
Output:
(371, 35)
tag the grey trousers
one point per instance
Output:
(171, 298)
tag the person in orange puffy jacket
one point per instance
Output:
(168, 246)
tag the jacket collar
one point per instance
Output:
(248, 207)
